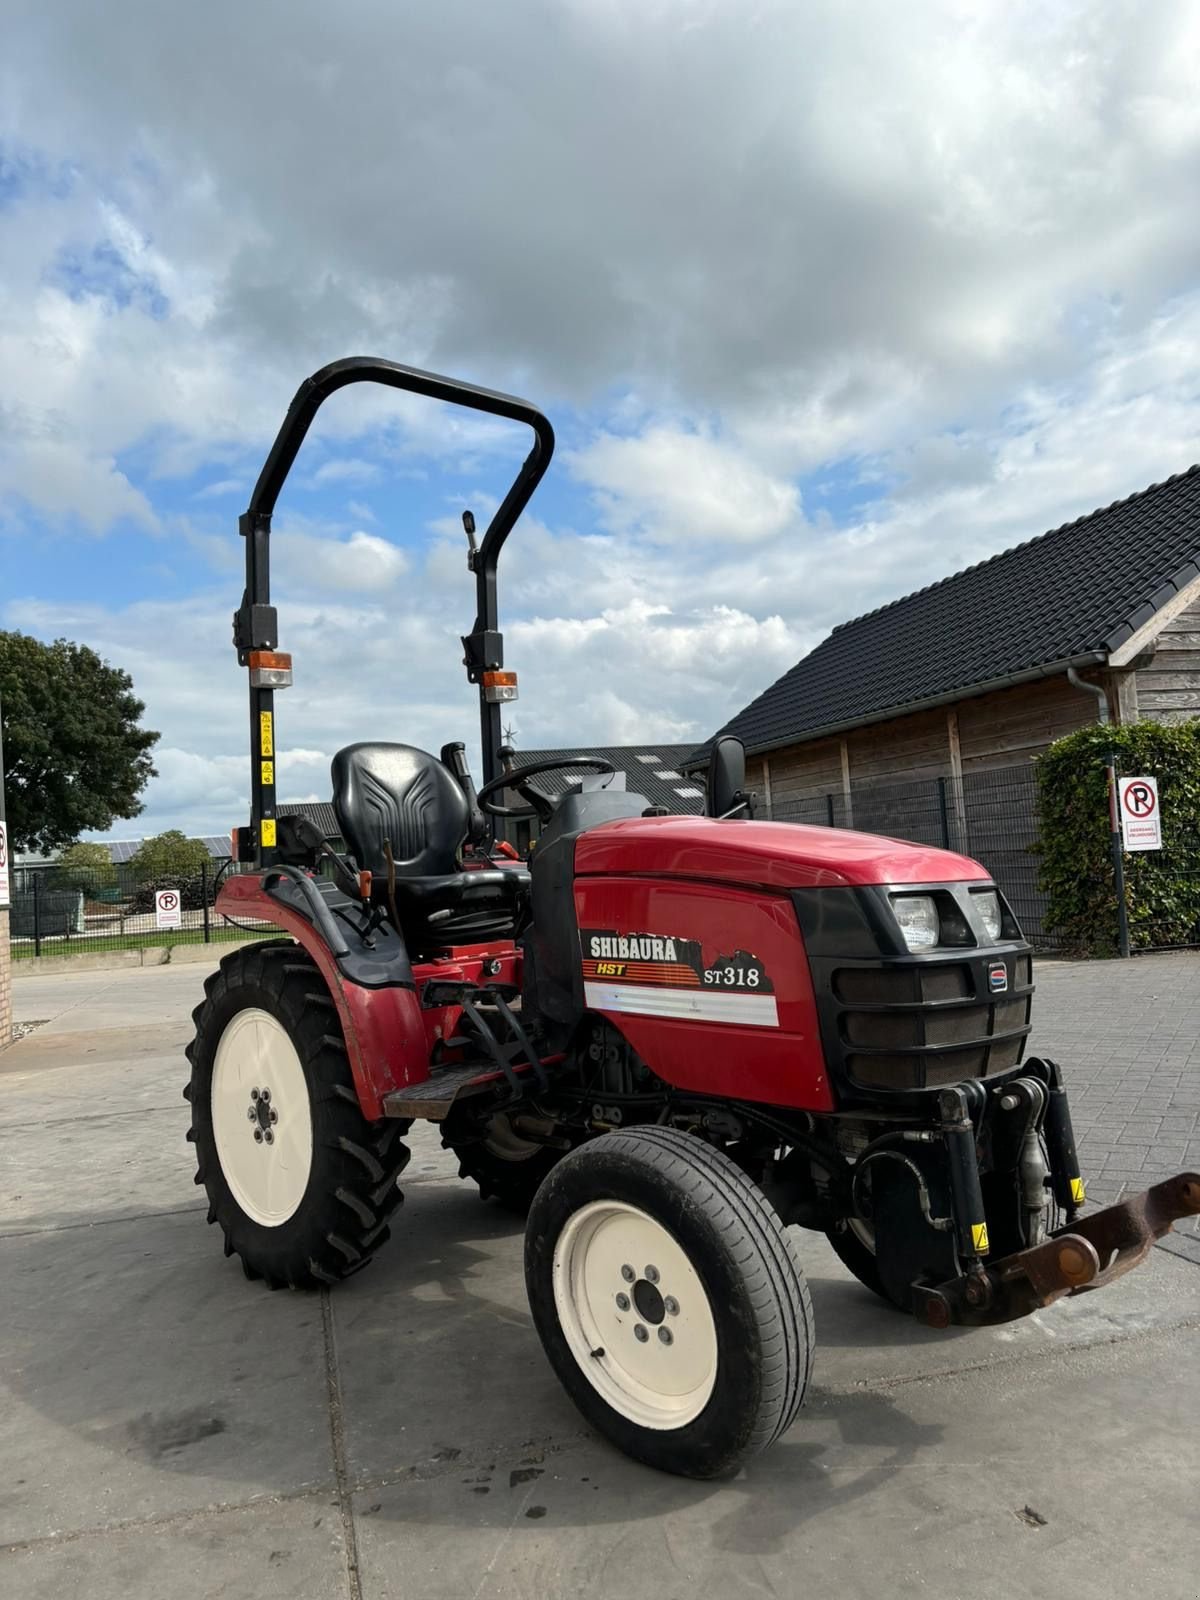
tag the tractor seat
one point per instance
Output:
(399, 793)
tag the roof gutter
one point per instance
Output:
(1091, 658)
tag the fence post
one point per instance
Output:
(204, 898)
(37, 913)
(943, 813)
(829, 810)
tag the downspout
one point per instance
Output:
(1077, 682)
(1114, 822)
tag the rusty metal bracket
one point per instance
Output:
(1089, 1253)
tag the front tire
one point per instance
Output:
(669, 1299)
(301, 1184)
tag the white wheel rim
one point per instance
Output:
(863, 1232)
(663, 1377)
(259, 1087)
(506, 1144)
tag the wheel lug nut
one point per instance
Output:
(269, 1136)
(640, 1334)
(671, 1305)
(274, 1115)
(254, 1094)
(266, 1095)
(622, 1302)
(258, 1135)
(251, 1115)
(665, 1336)
(651, 1274)
(628, 1274)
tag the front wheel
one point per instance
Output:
(669, 1299)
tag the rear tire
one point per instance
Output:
(719, 1368)
(301, 1184)
(859, 1258)
(508, 1168)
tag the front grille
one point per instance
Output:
(930, 1023)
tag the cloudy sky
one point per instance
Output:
(824, 301)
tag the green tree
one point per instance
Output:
(169, 855)
(74, 755)
(87, 867)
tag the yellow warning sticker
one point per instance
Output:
(268, 772)
(979, 1237)
(267, 836)
(1077, 1191)
(266, 733)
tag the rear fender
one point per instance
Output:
(382, 1025)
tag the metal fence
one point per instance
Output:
(58, 911)
(990, 816)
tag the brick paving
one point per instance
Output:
(1127, 1036)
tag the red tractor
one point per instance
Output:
(670, 1039)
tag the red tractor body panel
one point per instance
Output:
(389, 1036)
(690, 946)
(731, 1011)
(778, 855)
(708, 983)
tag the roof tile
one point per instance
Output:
(1078, 590)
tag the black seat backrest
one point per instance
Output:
(396, 792)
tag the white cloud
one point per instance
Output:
(348, 470)
(363, 564)
(671, 485)
(63, 481)
(935, 260)
(223, 487)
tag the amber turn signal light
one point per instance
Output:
(270, 669)
(499, 686)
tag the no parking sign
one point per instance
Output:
(1141, 817)
(168, 911)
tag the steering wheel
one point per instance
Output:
(539, 805)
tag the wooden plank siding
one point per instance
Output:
(805, 772)
(994, 730)
(1168, 689)
(1014, 725)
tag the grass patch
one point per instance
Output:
(99, 944)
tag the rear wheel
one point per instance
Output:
(669, 1300)
(854, 1247)
(508, 1167)
(301, 1184)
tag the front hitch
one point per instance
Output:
(1088, 1253)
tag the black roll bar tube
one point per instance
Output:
(255, 625)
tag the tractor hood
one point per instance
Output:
(777, 855)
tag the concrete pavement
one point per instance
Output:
(169, 1428)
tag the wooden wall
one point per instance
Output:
(1013, 725)
(1168, 690)
(1003, 729)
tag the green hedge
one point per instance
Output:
(1162, 886)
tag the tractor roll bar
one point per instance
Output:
(256, 625)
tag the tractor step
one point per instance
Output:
(434, 1097)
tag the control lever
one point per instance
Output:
(454, 756)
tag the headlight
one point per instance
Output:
(918, 919)
(988, 906)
